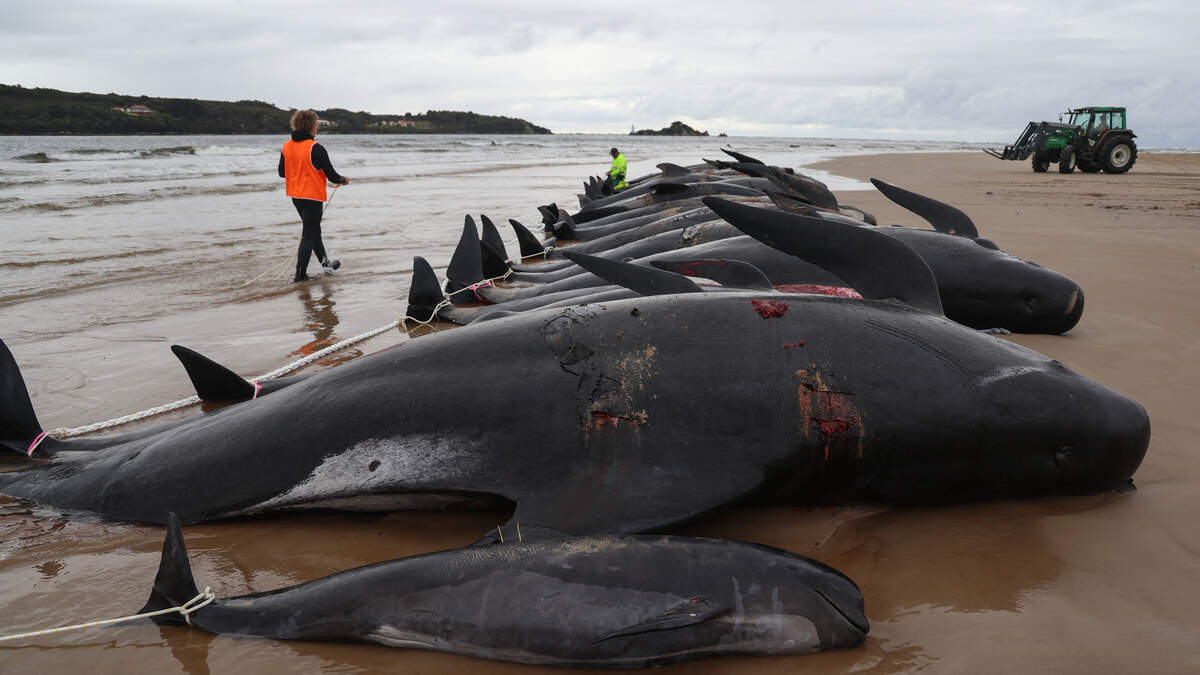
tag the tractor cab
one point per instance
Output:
(1094, 121)
(1093, 139)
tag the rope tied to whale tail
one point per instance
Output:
(202, 599)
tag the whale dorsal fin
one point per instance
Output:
(943, 217)
(741, 157)
(17, 419)
(790, 203)
(424, 291)
(530, 245)
(731, 273)
(687, 613)
(565, 228)
(493, 257)
(875, 265)
(639, 278)
(466, 265)
(490, 236)
(716, 163)
(673, 170)
(213, 381)
(174, 584)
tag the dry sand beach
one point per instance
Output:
(1099, 584)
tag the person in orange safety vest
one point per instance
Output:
(305, 165)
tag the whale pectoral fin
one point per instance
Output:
(791, 203)
(640, 278)
(599, 496)
(741, 157)
(729, 273)
(875, 265)
(942, 216)
(687, 613)
(669, 188)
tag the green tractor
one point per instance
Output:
(1091, 139)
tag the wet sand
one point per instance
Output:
(1105, 583)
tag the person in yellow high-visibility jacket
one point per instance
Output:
(616, 175)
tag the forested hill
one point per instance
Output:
(49, 111)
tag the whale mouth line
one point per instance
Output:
(859, 624)
(1072, 301)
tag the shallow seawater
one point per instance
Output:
(117, 247)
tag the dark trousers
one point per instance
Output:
(310, 237)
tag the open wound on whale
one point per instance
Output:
(830, 414)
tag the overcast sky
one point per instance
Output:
(852, 68)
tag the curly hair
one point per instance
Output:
(304, 120)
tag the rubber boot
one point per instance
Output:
(302, 257)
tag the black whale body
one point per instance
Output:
(644, 412)
(597, 602)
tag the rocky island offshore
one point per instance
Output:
(677, 128)
(50, 111)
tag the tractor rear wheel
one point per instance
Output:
(1066, 160)
(1118, 155)
(1040, 164)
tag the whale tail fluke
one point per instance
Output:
(19, 425)
(173, 585)
(424, 293)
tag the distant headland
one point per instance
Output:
(677, 128)
(49, 111)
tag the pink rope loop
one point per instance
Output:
(36, 442)
(257, 388)
(474, 287)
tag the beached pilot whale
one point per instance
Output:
(593, 602)
(631, 415)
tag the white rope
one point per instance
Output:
(281, 268)
(62, 433)
(203, 599)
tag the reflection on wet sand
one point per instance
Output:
(189, 647)
(321, 321)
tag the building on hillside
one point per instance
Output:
(135, 109)
(398, 123)
(326, 123)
